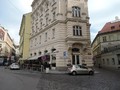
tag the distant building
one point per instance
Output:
(7, 49)
(61, 31)
(24, 33)
(106, 45)
(17, 53)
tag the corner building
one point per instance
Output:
(61, 29)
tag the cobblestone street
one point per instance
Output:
(103, 80)
(35, 80)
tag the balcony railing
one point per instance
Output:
(110, 49)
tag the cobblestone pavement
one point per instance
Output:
(104, 80)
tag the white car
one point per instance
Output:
(80, 69)
(14, 66)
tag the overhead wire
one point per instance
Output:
(13, 5)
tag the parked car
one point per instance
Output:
(80, 69)
(14, 66)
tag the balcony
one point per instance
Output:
(110, 49)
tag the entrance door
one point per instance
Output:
(118, 59)
(75, 59)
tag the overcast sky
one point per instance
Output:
(100, 12)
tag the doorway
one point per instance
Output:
(75, 59)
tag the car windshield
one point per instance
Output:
(81, 66)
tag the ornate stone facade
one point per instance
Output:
(62, 25)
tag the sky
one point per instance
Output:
(100, 12)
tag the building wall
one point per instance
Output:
(7, 48)
(25, 36)
(108, 60)
(106, 47)
(57, 15)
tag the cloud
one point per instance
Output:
(101, 12)
(13, 16)
(24, 5)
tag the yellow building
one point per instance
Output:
(106, 45)
(24, 33)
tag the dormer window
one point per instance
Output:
(112, 27)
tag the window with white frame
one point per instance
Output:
(76, 11)
(77, 31)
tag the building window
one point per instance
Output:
(77, 31)
(53, 33)
(108, 61)
(46, 51)
(34, 54)
(35, 41)
(53, 15)
(111, 37)
(45, 36)
(75, 59)
(75, 11)
(0, 45)
(75, 50)
(118, 59)
(112, 27)
(118, 36)
(46, 21)
(46, 5)
(40, 53)
(53, 2)
(104, 39)
(40, 39)
(103, 61)
(113, 61)
(41, 25)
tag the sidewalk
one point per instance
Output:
(56, 72)
(64, 72)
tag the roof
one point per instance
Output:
(110, 27)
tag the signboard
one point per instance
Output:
(65, 54)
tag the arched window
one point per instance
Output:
(75, 49)
(77, 31)
(75, 11)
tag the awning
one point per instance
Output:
(33, 58)
(44, 58)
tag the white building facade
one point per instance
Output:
(61, 29)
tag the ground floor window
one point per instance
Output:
(103, 61)
(118, 59)
(113, 61)
(75, 59)
(108, 61)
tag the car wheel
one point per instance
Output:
(74, 73)
(91, 72)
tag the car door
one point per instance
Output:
(83, 70)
